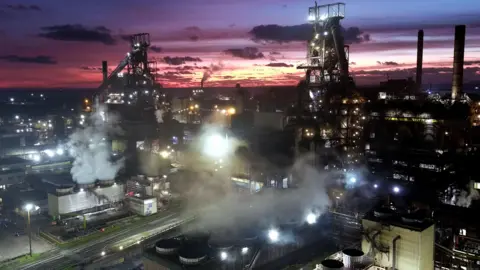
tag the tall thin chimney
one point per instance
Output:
(458, 58)
(105, 70)
(419, 59)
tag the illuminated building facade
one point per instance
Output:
(410, 140)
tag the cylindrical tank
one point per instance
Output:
(86, 186)
(167, 246)
(352, 257)
(64, 190)
(106, 183)
(331, 264)
(192, 254)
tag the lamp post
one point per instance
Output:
(29, 207)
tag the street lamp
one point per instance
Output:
(396, 189)
(28, 208)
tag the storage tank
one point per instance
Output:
(86, 186)
(106, 183)
(197, 236)
(192, 254)
(221, 241)
(352, 257)
(331, 264)
(168, 246)
(63, 190)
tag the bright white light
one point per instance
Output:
(244, 250)
(81, 190)
(311, 218)
(12, 99)
(36, 158)
(164, 154)
(325, 33)
(223, 255)
(60, 151)
(396, 189)
(353, 180)
(121, 247)
(103, 253)
(17, 117)
(375, 186)
(28, 206)
(216, 146)
(273, 235)
(49, 153)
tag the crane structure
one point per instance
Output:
(133, 82)
(331, 102)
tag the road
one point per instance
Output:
(64, 258)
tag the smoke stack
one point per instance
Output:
(419, 59)
(104, 71)
(458, 58)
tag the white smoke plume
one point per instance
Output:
(90, 148)
(228, 209)
(159, 116)
(211, 70)
(463, 198)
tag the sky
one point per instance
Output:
(54, 43)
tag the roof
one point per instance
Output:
(396, 220)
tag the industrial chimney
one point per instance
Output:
(419, 59)
(458, 58)
(104, 71)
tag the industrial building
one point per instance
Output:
(67, 198)
(142, 206)
(420, 138)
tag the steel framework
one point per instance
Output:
(332, 100)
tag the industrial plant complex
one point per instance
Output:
(324, 175)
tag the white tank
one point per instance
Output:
(352, 257)
(332, 265)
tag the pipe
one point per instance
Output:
(458, 59)
(419, 59)
(394, 252)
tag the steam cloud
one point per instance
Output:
(229, 209)
(159, 116)
(273, 206)
(211, 70)
(90, 150)
(465, 198)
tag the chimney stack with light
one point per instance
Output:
(419, 59)
(458, 60)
